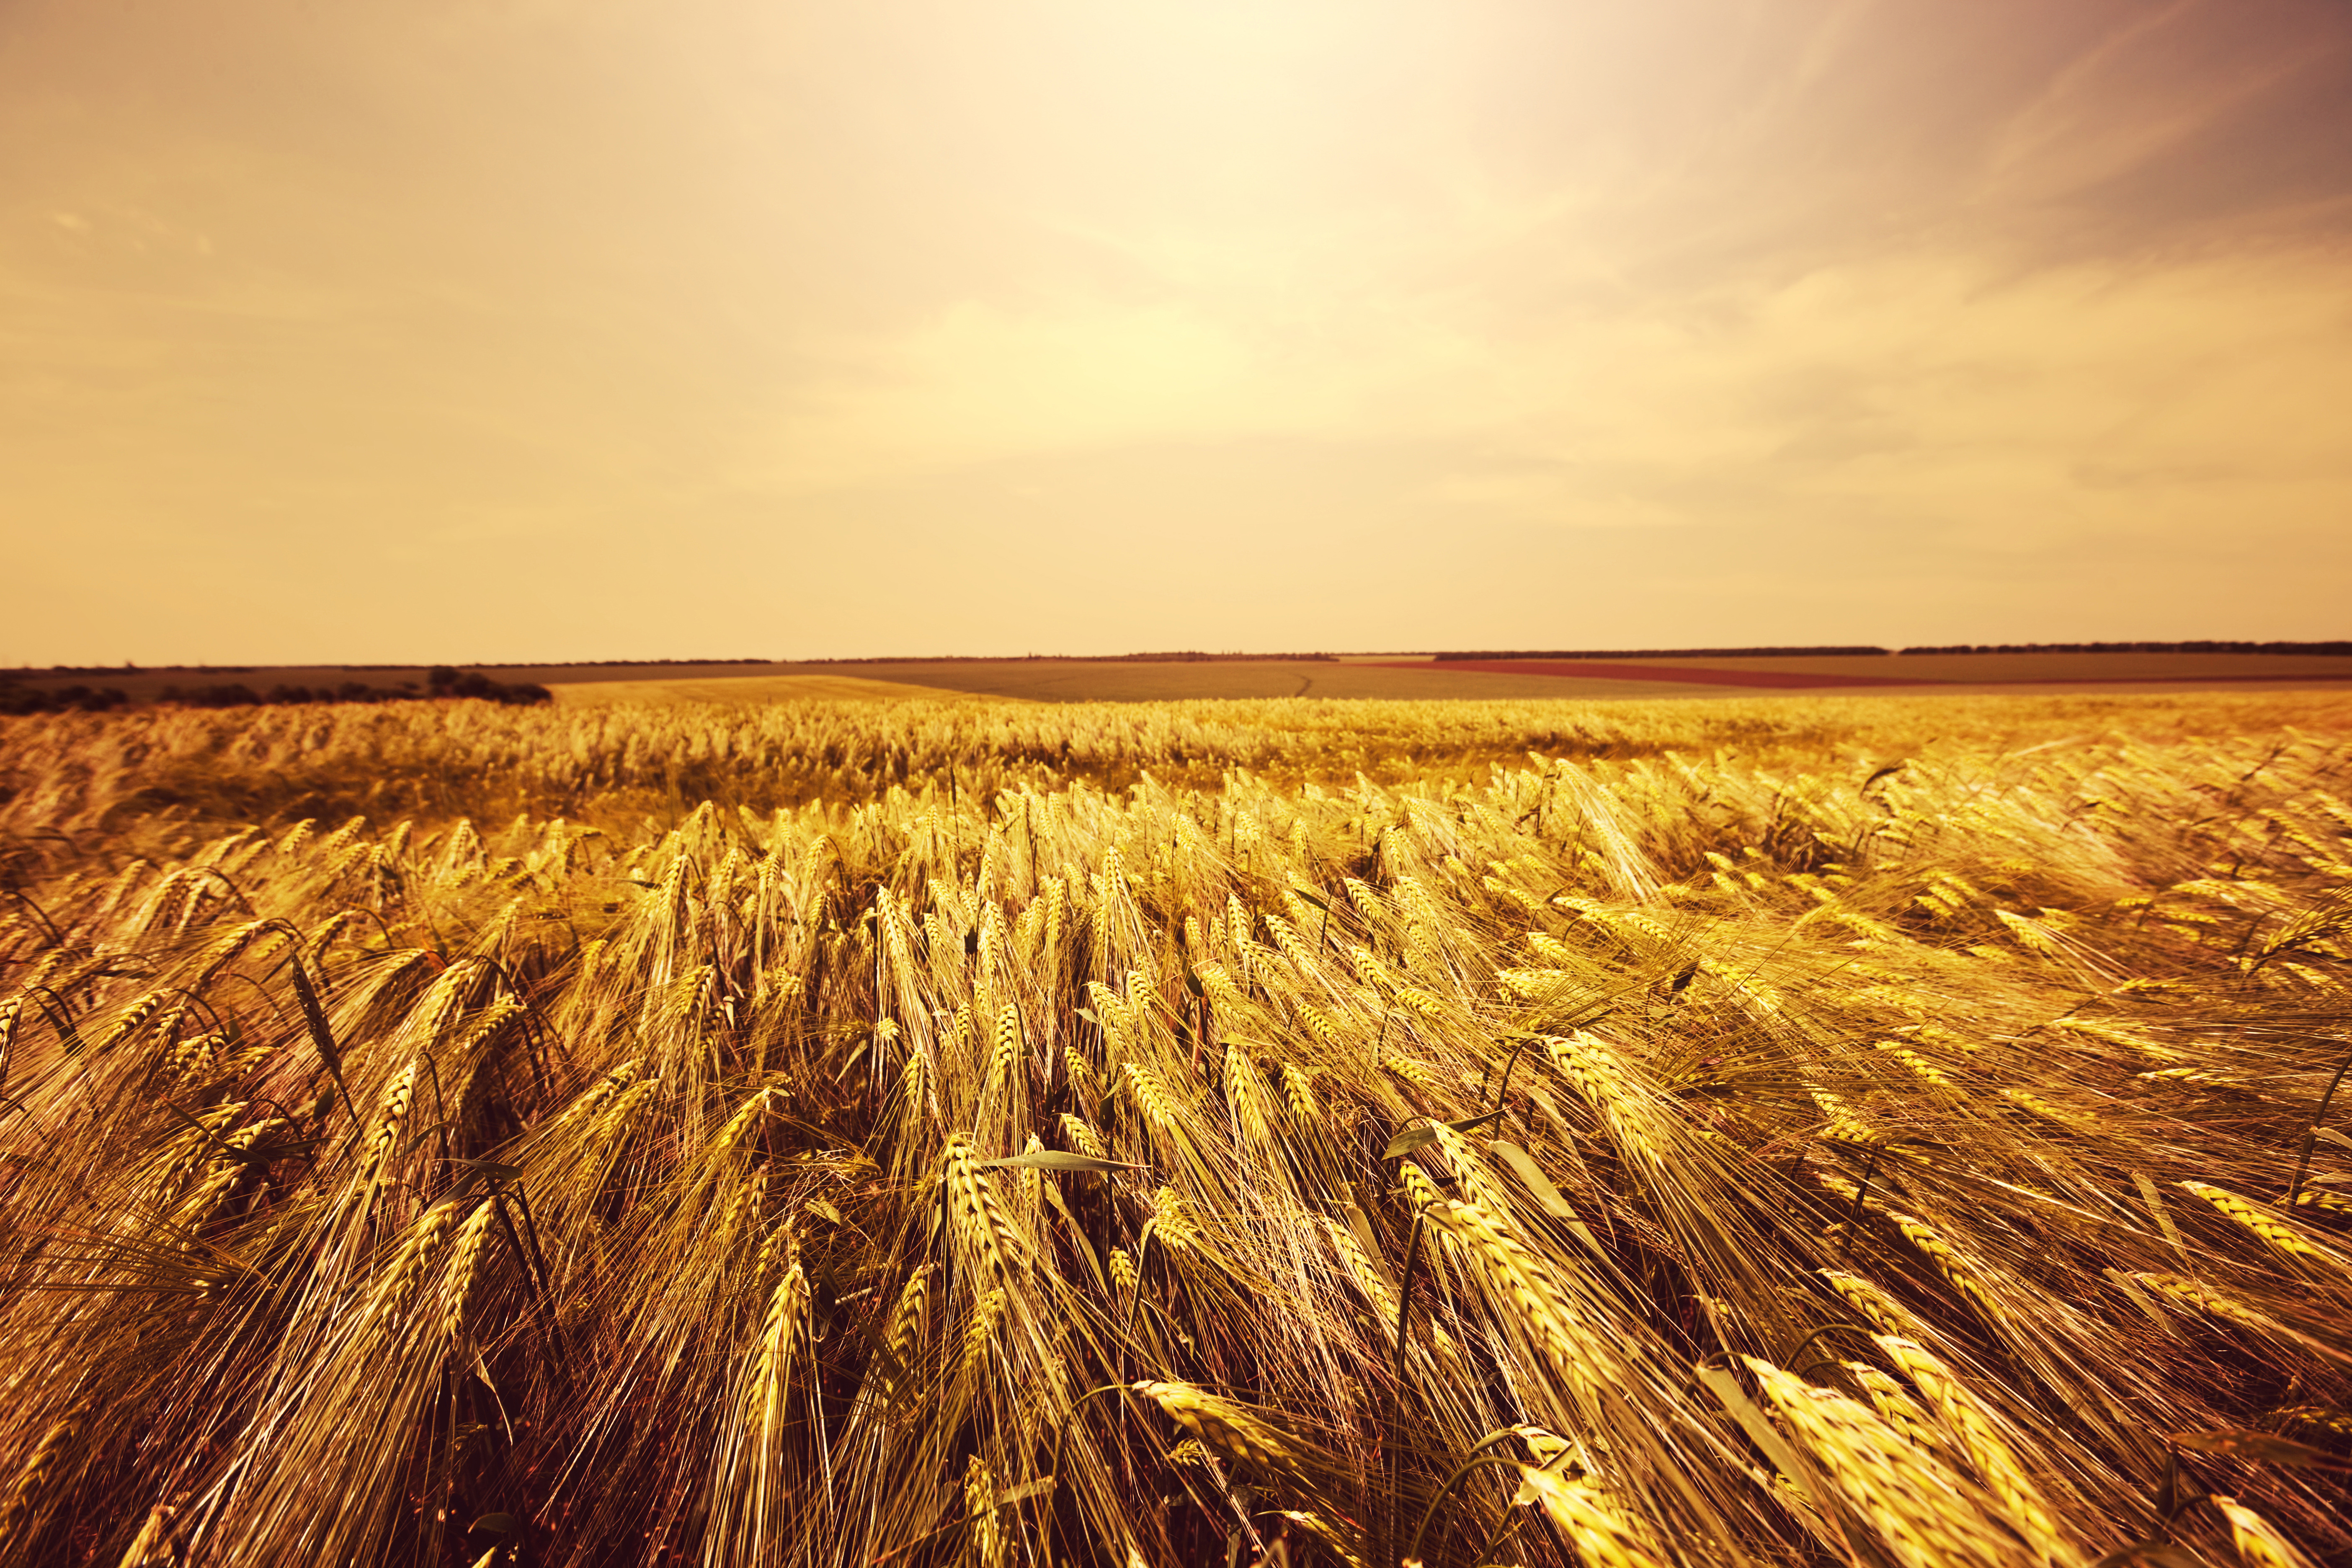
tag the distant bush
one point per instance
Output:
(15, 699)
(447, 682)
(233, 695)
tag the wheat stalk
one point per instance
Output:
(1227, 1428)
(1894, 1405)
(1362, 1269)
(464, 1262)
(160, 1542)
(779, 1336)
(1245, 1097)
(983, 1237)
(1581, 1356)
(1006, 1051)
(1298, 1093)
(18, 1509)
(1083, 1137)
(2021, 1502)
(2281, 1236)
(400, 1277)
(1158, 1106)
(397, 1097)
(1602, 1534)
(988, 1544)
(906, 1329)
(2258, 1541)
(980, 1332)
(1949, 1263)
(1919, 1507)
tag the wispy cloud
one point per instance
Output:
(2152, 83)
(586, 295)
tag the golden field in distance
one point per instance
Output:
(1864, 1129)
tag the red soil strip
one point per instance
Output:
(1786, 679)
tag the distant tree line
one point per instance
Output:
(14, 674)
(1194, 656)
(15, 699)
(248, 668)
(2341, 649)
(237, 694)
(1675, 653)
(440, 682)
(2337, 649)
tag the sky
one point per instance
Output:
(347, 330)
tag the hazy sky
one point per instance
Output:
(475, 330)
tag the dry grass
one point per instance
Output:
(84, 775)
(714, 1135)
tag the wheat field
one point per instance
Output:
(1872, 1130)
